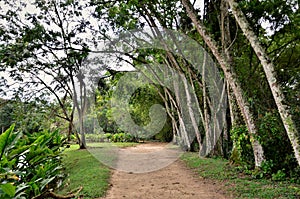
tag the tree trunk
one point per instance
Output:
(231, 77)
(82, 113)
(70, 127)
(268, 67)
(226, 42)
(82, 144)
(180, 111)
(189, 104)
(170, 109)
(80, 107)
(206, 116)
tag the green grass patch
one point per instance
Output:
(86, 171)
(237, 183)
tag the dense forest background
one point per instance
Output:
(45, 65)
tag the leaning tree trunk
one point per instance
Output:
(170, 108)
(176, 105)
(206, 120)
(268, 67)
(190, 108)
(190, 118)
(182, 124)
(231, 77)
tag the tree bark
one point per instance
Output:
(268, 67)
(189, 104)
(80, 107)
(170, 108)
(231, 77)
(206, 122)
(182, 123)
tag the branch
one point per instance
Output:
(51, 194)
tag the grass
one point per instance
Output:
(238, 184)
(86, 171)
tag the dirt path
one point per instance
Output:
(174, 181)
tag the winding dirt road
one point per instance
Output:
(174, 181)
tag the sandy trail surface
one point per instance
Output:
(138, 178)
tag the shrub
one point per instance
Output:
(242, 152)
(95, 137)
(279, 176)
(108, 136)
(29, 166)
(295, 175)
(276, 144)
(122, 137)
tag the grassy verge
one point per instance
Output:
(240, 185)
(86, 171)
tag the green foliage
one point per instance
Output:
(265, 171)
(279, 176)
(108, 137)
(31, 165)
(267, 167)
(29, 116)
(103, 103)
(295, 175)
(140, 104)
(272, 133)
(195, 146)
(6, 118)
(8, 190)
(166, 133)
(122, 137)
(280, 163)
(242, 152)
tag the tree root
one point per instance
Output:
(51, 194)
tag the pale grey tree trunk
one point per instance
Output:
(207, 122)
(190, 106)
(186, 105)
(80, 104)
(231, 77)
(268, 67)
(182, 124)
(170, 108)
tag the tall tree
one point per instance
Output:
(231, 77)
(45, 50)
(271, 76)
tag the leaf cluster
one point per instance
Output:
(30, 163)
